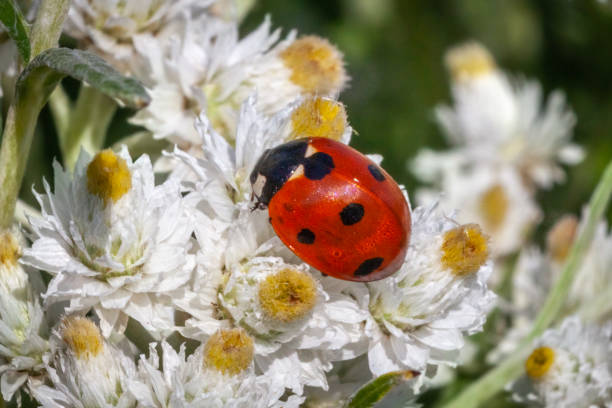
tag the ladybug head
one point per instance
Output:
(274, 168)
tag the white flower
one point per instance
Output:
(493, 197)
(299, 321)
(569, 367)
(108, 27)
(22, 323)
(113, 241)
(85, 370)
(196, 381)
(419, 315)
(207, 67)
(497, 119)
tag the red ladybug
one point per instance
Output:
(334, 208)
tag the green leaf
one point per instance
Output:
(16, 26)
(377, 389)
(55, 63)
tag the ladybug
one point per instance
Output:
(334, 208)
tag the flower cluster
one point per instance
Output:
(505, 145)
(155, 280)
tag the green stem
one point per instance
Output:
(89, 122)
(60, 107)
(494, 381)
(23, 112)
(48, 25)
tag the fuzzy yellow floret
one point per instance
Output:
(316, 66)
(82, 336)
(229, 351)
(468, 61)
(318, 117)
(10, 250)
(287, 295)
(108, 176)
(494, 206)
(464, 249)
(561, 237)
(539, 362)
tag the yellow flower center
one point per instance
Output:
(82, 336)
(494, 205)
(468, 61)
(539, 362)
(318, 117)
(561, 237)
(316, 65)
(287, 295)
(108, 176)
(9, 249)
(229, 351)
(464, 249)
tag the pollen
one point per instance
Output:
(494, 205)
(287, 295)
(316, 65)
(10, 250)
(319, 117)
(82, 336)
(469, 61)
(229, 351)
(108, 176)
(539, 362)
(464, 249)
(561, 236)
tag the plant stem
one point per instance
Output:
(89, 122)
(48, 25)
(23, 112)
(60, 107)
(512, 366)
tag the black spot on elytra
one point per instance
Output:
(306, 236)
(351, 214)
(376, 173)
(318, 165)
(368, 266)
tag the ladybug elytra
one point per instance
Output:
(334, 208)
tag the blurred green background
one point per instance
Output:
(394, 51)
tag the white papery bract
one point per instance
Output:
(205, 66)
(22, 323)
(419, 315)
(497, 119)
(113, 241)
(569, 367)
(177, 381)
(108, 27)
(494, 197)
(84, 370)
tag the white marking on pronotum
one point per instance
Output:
(299, 172)
(310, 151)
(259, 185)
